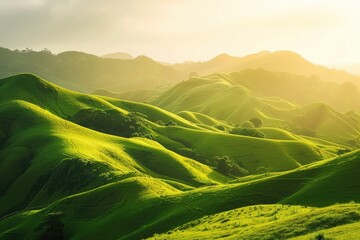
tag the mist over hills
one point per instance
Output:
(351, 68)
(120, 72)
(278, 61)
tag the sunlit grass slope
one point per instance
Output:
(45, 150)
(216, 97)
(269, 222)
(249, 152)
(224, 97)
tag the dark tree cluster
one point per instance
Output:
(247, 132)
(114, 122)
(52, 228)
(225, 166)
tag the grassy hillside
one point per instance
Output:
(84, 166)
(224, 97)
(87, 73)
(143, 95)
(272, 222)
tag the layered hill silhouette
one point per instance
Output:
(88, 73)
(278, 61)
(85, 166)
(121, 73)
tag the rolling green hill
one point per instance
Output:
(224, 97)
(84, 166)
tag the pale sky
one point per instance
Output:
(323, 31)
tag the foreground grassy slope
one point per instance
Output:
(270, 222)
(134, 204)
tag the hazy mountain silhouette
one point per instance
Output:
(118, 55)
(279, 61)
(87, 73)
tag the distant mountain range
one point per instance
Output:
(279, 61)
(88, 73)
(120, 73)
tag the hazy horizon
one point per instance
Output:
(323, 32)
